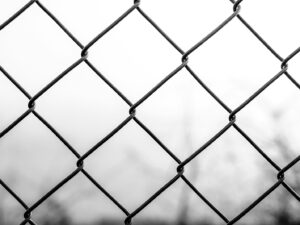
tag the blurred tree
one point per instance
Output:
(192, 173)
(55, 213)
(284, 211)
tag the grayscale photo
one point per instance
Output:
(149, 112)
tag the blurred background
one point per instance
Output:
(131, 166)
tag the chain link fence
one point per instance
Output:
(133, 107)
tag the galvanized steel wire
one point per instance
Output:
(133, 113)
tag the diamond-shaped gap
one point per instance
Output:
(7, 9)
(182, 114)
(35, 49)
(35, 157)
(282, 14)
(78, 202)
(228, 173)
(279, 207)
(177, 204)
(134, 56)
(234, 78)
(13, 102)
(272, 121)
(82, 108)
(187, 21)
(11, 211)
(97, 15)
(131, 166)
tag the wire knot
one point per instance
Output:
(31, 104)
(280, 175)
(236, 5)
(80, 164)
(180, 169)
(127, 221)
(27, 215)
(232, 116)
(132, 110)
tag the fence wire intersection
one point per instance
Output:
(232, 114)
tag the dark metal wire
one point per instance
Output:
(179, 174)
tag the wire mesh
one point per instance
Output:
(133, 114)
